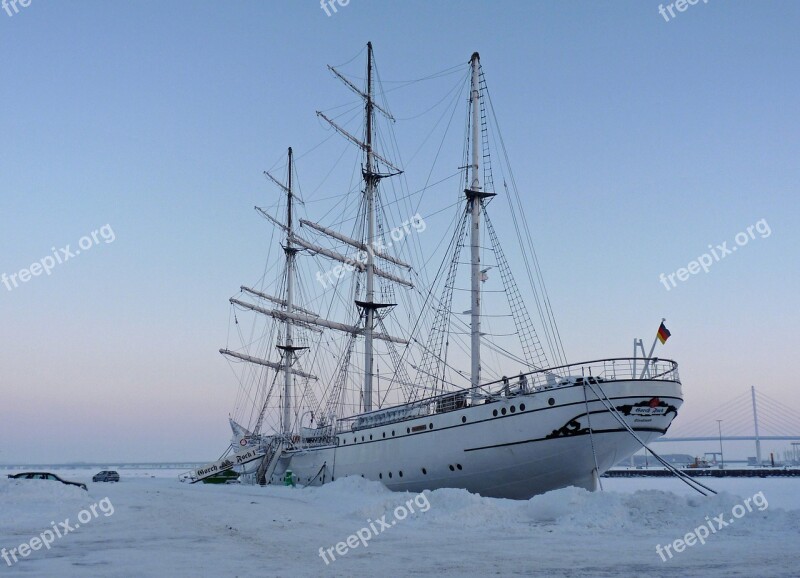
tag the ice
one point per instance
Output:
(161, 527)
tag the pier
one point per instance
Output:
(705, 472)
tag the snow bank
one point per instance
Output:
(29, 506)
(578, 510)
(572, 510)
(278, 531)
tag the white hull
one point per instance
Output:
(511, 454)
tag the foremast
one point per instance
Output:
(286, 315)
(288, 348)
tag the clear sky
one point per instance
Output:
(636, 141)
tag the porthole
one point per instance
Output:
(430, 426)
(370, 437)
(392, 433)
(503, 411)
(522, 407)
(390, 474)
(424, 472)
(354, 440)
(362, 438)
(513, 409)
(463, 419)
(452, 469)
(459, 466)
(551, 401)
(380, 476)
(494, 412)
(400, 473)
(384, 434)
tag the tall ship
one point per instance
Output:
(362, 362)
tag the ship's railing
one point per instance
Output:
(574, 374)
(390, 415)
(614, 369)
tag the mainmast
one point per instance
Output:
(290, 314)
(372, 176)
(370, 179)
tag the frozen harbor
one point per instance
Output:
(156, 526)
(488, 251)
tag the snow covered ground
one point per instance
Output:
(160, 527)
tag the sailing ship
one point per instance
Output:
(553, 424)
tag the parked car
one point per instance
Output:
(45, 476)
(106, 476)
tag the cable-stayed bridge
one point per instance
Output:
(751, 416)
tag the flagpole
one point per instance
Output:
(652, 349)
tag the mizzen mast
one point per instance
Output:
(475, 196)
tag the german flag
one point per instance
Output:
(663, 333)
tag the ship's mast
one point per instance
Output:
(474, 198)
(370, 179)
(372, 176)
(288, 347)
(289, 314)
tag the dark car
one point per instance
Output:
(106, 476)
(45, 476)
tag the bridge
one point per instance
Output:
(729, 438)
(750, 416)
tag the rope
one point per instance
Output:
(692, 483)
(591, 438)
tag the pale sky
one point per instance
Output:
(637, 142)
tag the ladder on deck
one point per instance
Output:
(267, 467)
